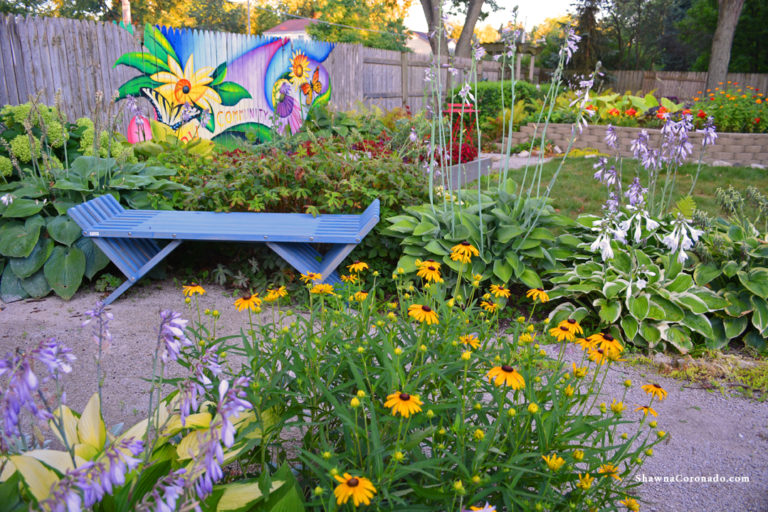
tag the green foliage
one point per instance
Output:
(511, 250)
(42, 245)
(489, 96)
(735, 108)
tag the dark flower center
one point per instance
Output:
(564, 328)
(185, 89)
(608, 337)
(356, 263)
(426, 309)
(430, 261)
(600, 351)
(465, 244)
(353, 482)
(405, 397)
(571, 321)
(433, 269)
(506, 368)
(246, 296)
(540, 289)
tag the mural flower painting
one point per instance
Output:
(282, 98)
(299, 69)
(187, 85)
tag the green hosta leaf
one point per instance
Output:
(425, 228)
(436, 248)
(651, 333)
(698, 323)
(681, 283)
(691, 302)
(514, 261)
(231, 93)
(23, 208)
(630, 327)
(735, 233)
(609, 311)
(531, 279)
(672, 312)
(671, 267)
(705, 273)
(679, 338)
(505, 233)
(17, 240)
(36, 286)
(656, 312)
(62, 206)
(730, 268)
(756, 281)
(407, 263)
(64, 270)
(523, 245)
(760, 314)
(755, 340)
(734, 326)
(569, 240)
(541, 234)
(622, 263)
(403, 226)
(719, 340)
(612, 289)
(95, 260)
(714, 301)
(639, 306)
(25, 267)
(738, 303)
(502, 270)
(10, 287)
(583, 287)
(63, 230)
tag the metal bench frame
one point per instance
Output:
(127, 237)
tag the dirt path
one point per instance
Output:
(709, 435)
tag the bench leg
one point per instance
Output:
(304, 258)
(110, 248)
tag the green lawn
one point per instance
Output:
(576, 192)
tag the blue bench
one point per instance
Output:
(128, 237)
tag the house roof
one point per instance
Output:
(293, 25)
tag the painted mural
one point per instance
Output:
(263, 84)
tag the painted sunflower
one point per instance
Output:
(359, 488)
(423, 313)
(403, 403)
(500, 291)
(471, 340)
(358, 266)
(430, 273)
(464, 252)
(248, 301)
(655, 390)
(506, 375)
(537, 294)
(299, 68)
(192, 289)
(187, 85)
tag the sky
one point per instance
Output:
(530, 13)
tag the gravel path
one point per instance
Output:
(709, 435)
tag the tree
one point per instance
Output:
(727, 19)
(470, 10)
(38, 7)
(586, 57)
(383, 20)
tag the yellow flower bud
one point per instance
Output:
(478, 406)
(466, 355)
(423, 347)
(533, 408)
(391, 316)
(458, 486)
(334, 472)
(479, 435)
(441, 432)
(360, 393)
(652, 424)
(546, 321)
(360, 350)
(476, 479)
(398, 456)
(661, 434)
(529, 328)
(398, 351)
(319, 491)
(627, 383)
(406, 295)
(375, 273)
(326, 455)
(207, 311)
(511, 412)
(451, 302)
(400, 270)
(521, 319)
(649, 452)
(430, 414)
(355, 403)
(578, 455)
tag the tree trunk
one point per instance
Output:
(464, 45)
(436, 26)
(126, 7)
(727, 19)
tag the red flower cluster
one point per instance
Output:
(374, 147)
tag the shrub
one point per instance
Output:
(735, 108)
(489, 95)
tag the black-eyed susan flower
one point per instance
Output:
(554, 461)
(359, 488)
(274, 294)
(606, 342)
(349, 278)
(248, 301)
(600, 356)
(655, 390)
(311, 277)
(584, 344)
(646, 410)
(470, 339)
(428, 263)
(609, 470)
(464, 252)
(585, 482)
(500, 291)
(617, 407)
(631, 504)
(507, 376)
(572, 325)
(360, 296)
(403, 404)
(430, 273)
(322, 289)
(561, 333)
(423, 313)
(193, 289)
(358, 266)
(537, 294)
(490, 307)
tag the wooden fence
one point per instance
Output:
(680, 84)
(77, 57)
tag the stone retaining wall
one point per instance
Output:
(741, 149)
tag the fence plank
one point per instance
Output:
(10, 93)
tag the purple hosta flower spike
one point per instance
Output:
(612, 204)
(6, 199)
(479, 52)
(413, 136)
(231, 404)
(172, 334)
(100, 319)
(570, 45)
(604, 175)
(636, 193)
(610, 136)
(682, 238)
(465, 93)
(710, 134)
(676, 146)
(165, 495)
